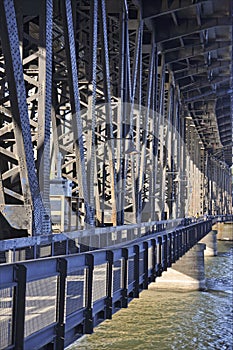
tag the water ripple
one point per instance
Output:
(174, 321)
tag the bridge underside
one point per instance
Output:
(113, 112)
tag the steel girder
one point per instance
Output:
(21, 189)
(83, 80)
(197, 45)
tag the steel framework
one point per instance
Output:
(129, 105)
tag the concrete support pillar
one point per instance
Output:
(225, 231)
(187, 274)
(210, 241)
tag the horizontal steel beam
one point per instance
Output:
(203, 83)
(182, 73)
(153, 9)
(207, 95)
(168, 31)
(192, 51)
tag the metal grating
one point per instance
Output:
(99, 282)
(6, 307)
(40, 304)
(150, 258)
(141, 263)
(130, 270)
(45, 251)
(117, 276)
(20, 255)
(75, 291)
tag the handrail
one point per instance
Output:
(53, 301)
(36, 241)
(77, 241)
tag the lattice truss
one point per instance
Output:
(82, 81)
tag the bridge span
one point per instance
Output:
(113, 113)
(50, 302)
(116, 137)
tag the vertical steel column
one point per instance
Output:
(183, 183)
(110, 144)
(44, 107)
(154, 142)
(91, 113)
(75, 105)
(187, 165)
(168, 161)
(135, 161)
(125, 101)
(210, 197)
(29, 181)
(176, 148)
(143, 163)
(161, 178)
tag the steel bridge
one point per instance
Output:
(113, 113)
(116, 129)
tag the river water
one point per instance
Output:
(175, 320)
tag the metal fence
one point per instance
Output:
(48, 303)
(25, 248)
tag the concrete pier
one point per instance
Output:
(210, 241)
(225, 231)
(187, 274)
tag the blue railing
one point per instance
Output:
(225, 218)
(12, 250)
(48, 303)
(25, 248)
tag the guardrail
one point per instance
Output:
(25, 248)
(48, 303)
(225, 218)
(12, 250)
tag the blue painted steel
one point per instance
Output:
(87, 296)
(50, 241)
(19, 106)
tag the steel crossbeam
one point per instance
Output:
(120, 108)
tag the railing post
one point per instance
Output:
(196, 236)
(173, 234)
(145, 265)
(169, 260)
(184, 241)
(20, 276)
(61, 294)
(191, 237)
(124, 292)
(180, 248)
(175, 246)
(187, 239)
(165, 253)
(108, 299)
(88, 322)
(136, 272)
(160, 267)
(154, 260)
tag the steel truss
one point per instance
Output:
(87, 97)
